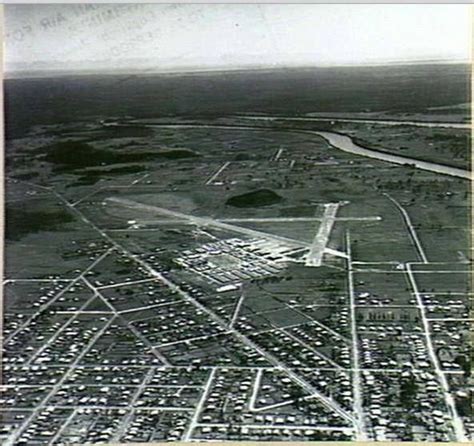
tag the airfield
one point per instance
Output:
(236, 278)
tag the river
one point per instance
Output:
(336, 140)
(346, 144)
(431, 124)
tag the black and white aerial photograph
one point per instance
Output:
(236, 222)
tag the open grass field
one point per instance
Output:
(389, 289)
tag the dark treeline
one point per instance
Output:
(292, 91)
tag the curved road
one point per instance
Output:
(336, 140)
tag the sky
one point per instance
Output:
(164, 37)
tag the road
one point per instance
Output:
(255, 389)
(219, 171)
(237, 309)
(130, 326)
(414, 236)
(282, 426)
(308, 347)
(451, 405)
(199, 407)
(124, 424)
(278, 405)
(278, 154)
(59, 332)
(356, 381)
(296, 219)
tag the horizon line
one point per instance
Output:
(32, 73)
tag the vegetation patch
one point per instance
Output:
(258, 198)
(128, 131)
(71, 155)
(177, 154)
(26, 176)
(20, 222)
